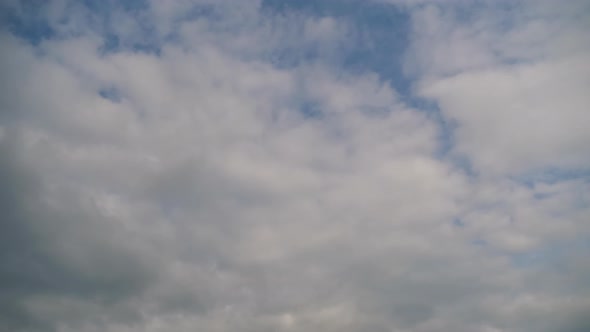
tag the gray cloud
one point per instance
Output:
(59, 253)
(204, 197)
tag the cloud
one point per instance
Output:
(512, 82)
(222, 166)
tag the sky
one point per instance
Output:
(295, 165)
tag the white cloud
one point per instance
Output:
(204, 197)
(513, 82)
(512, 120)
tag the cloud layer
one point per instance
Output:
(295, 166)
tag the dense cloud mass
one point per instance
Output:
(284, 165)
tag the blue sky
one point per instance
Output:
(268, 165)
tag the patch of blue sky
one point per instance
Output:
(376, 42)
(310, 109)
(556, 254)
(530, 258)
(382, 33)
(106, 6)
(113, 43)
(110, 93)
(445, 136)
(211, 13)
(552, 175)
(459, 223)
(29, 22)
(101, 19)
(478, 242)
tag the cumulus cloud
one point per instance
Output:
(225, 165)
(513, 81)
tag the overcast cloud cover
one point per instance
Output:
(296, 165)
